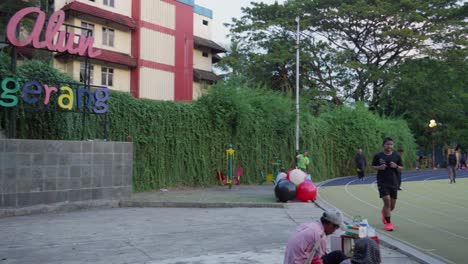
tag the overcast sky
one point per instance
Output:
(223, 12)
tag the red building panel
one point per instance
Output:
(136, 39)
(183, 52)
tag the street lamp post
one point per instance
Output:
(298, 32)
(432, 126)
(297, 85)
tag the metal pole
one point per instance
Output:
(297, 87)
(433, 153)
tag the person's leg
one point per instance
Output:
(386, 209)
(384, 195)
(392, 204)
(386, 212)
(454, 176)
(450, 169)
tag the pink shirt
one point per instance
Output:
(302, 242)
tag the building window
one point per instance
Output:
(109, 3)
(205, 22)
(205, 54)
(85, 26)
(107, 76)
(108, 37)
(82, 73)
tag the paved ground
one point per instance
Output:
(158, 235)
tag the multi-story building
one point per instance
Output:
(154, 49)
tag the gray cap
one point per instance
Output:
(334, 217)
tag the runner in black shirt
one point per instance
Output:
(387, 164)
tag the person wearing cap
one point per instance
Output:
(308, 243)
(388, 165)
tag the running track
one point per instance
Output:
(419, 175)
(422, 216)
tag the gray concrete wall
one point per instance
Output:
(37, 172)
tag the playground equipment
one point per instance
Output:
(269, 177)
(230, 179)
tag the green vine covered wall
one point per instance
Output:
(183, 144)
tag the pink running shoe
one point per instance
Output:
(389, 226)
(383, 218)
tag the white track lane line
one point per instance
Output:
(407, 218)
(442, 193)
(374, 186)
(428, 251)
(426, 197)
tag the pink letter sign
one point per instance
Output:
(53, 30)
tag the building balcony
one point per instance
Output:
(107, 56)
(200, 43)
(202, 75)
(101, 16)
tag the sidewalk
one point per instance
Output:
(257, 197)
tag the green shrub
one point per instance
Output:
(184, 144)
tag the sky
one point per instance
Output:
(223, 12)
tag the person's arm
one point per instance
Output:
(398, 164)
(376, 165)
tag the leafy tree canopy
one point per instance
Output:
(348, 47)
(428, 89)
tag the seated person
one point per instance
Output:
(308, 243)
(366, 251)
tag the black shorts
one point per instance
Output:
(385, 190)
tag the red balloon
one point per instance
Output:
(306, 191)
(287, 175)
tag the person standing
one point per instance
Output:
(303, 161)
(458, 155)
(463, 161)
(387, 164)
(400, 152)
(361, 163)
(420, 161)
(452, 165)
(308, 244)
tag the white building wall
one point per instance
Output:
(197, 90)
(158, 12)
(121, 78)
(157, 47)
(200, 62)
(122, 39)
(156, 84)
(199, 29)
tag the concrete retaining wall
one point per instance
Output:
(38, 172)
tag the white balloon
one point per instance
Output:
(297, 176)
(280, 176)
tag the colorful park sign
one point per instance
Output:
(54, 38)
(39, 96)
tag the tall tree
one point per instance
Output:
(352, 44)
(428, 89)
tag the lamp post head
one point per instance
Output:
(432, 123)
